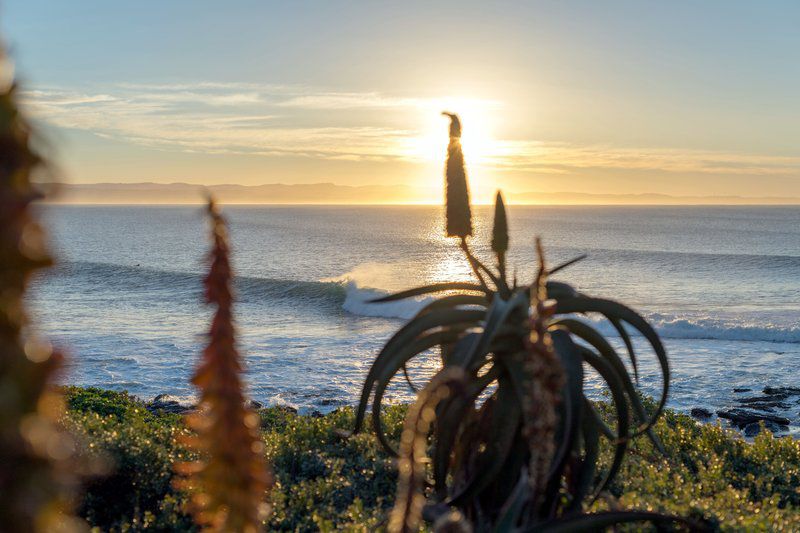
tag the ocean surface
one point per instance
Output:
(720, 284)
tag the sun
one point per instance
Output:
(477, 126)
(478, 120)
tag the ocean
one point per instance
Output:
(720, 284)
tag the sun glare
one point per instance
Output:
(477, 119)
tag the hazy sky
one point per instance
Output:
(678, 97)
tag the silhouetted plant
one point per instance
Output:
(229, 483)
(34, 472)
(459, 215)
(515, 441)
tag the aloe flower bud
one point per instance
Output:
(459, 214)
(500, 230)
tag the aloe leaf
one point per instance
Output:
(608, 308)
(557, 290)
(450, 420)
(427, 289)
(395, 360)
(454, 300)
(590, 335)
(408, 380)
(499, 441)
(571, 405)
(496, 316)
(435, 319)
(609, 375)
(565, 264)
(588, 465)
(512, 509)
(598, 420)
(600, 521)
(620, 327)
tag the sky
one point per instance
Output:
(681, 97)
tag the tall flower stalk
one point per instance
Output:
(34, 451)
(459, 213)
(544, 379)
(229, 483)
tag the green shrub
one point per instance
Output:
(138, 449)
(325, 483)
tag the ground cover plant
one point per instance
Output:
(349, 485)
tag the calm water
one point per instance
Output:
(721, 284)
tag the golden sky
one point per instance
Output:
(678, 98)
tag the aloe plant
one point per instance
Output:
(512, 436)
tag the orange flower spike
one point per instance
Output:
(544, 378)
(230, 482)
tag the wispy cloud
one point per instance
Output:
(275, 120)
(562, 157)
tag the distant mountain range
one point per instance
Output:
(330, 193)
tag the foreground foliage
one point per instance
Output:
(229, 481)
(34, 469)
(324, 483)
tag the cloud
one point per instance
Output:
(553, 157)
(280, 120)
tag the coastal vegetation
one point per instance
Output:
(325, 483)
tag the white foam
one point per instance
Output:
(357, 302)
(670, 326)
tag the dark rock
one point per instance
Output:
(782, 391)
(701, 413)
(165, 403)
(315, 414)
(768, 406)
(776, 428)
(757, 399)
(742, 417)
(752, 429)
(287, 408)
(741, 389)
(169, 406)
(330, 401)
(253, 404)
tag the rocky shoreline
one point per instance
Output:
(775, 408)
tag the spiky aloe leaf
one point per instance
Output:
(600, 521)
(427, 289)
(458, 211)
(621, 313)
(612, 379)
(457, 319)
